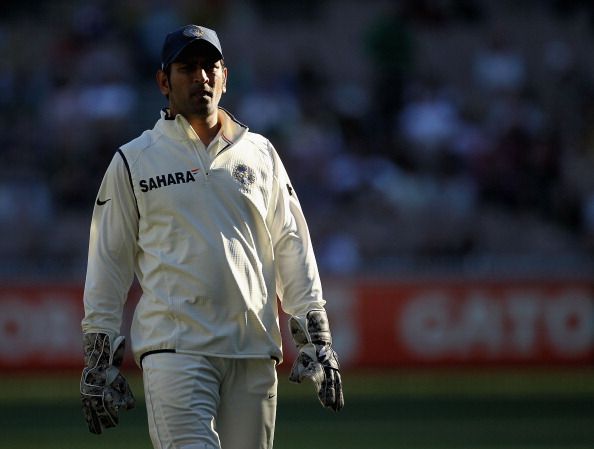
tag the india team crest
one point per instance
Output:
(244, 175)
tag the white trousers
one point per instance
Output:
(199, 402)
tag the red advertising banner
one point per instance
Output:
(374, 324)
(40, 326)
(474, 322)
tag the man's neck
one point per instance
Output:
(207, 129)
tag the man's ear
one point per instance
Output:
(163, 82)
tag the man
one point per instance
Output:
(202, 210)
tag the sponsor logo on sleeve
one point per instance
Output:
(102, 202)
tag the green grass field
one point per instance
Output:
(530, 409)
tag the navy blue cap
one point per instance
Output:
(179, 39)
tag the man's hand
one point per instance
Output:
(103, 389)
(317, 360)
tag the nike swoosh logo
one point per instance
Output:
(270, 396)
(101, 203)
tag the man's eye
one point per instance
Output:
(193, 67)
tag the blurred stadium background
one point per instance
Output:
(443, 152)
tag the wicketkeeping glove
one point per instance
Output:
(103, 389)
(317, 360)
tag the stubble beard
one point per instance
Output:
(195, 106)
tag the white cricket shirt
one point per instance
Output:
(213, 235)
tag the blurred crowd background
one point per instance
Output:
(422, 136)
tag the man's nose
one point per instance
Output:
(200, 75)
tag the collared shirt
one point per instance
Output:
(213, 235)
